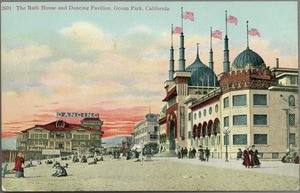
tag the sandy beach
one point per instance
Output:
(155, 175)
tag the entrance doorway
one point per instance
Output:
(172, 135)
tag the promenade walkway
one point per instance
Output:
(272, 167)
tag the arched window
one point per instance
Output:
(291, 101)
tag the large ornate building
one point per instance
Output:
(60, 135)
(256, 104)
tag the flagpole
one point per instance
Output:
(226, 22)
(210, 38)
(172, 35)
(247, 36)
(182, 19)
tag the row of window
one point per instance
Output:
(259, 139)
(258, 119)
(205, 112)
(62, 136)
(258, 99)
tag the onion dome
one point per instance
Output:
(201, 75)
(247, 58)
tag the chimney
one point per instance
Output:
(277, 62)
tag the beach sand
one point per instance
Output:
(155, 175)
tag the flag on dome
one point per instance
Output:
(232, 19)
(253, 32)
(188, 15)
(177, 30)
(217, 34)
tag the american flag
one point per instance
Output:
(253, 32)
(217, 34)
(188, 15)
(232, 19)
(177, 30)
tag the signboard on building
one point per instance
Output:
(50, 152)
(77, 115)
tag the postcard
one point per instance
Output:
(149, 96)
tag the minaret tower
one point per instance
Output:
(226, 51)
(181, 48)
(171, 67)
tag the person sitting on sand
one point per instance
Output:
(30, 164)
(83, 159)
(60, 171)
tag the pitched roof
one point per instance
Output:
(60, 125)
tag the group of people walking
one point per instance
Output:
(251, 157)
(204, 154)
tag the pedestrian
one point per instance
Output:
(254, 161)
(239, 154)
(179, 152)
(4, 170)
(246, 157)
(19, 166)
(201, 153)
(190, 153)
(185, 152)
(182, 152)
(193, 152)
(207, 153)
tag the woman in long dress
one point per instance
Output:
(246, 156)
(254, 161)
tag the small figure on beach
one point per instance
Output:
(30, 164)
(239, 154)
(19, 165)
(60, 171)
(254, 161)
(4, 170)
(207, 153)
(83, 159)
(246, 157)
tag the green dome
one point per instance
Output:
(201, 75)
(247, 57)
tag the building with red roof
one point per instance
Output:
(60, 135)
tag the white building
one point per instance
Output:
(146, 132)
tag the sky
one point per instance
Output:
(115, 62)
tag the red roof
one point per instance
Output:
(61, 126)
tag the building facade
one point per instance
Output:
(62, 136)
(256, 104)
(146, 132)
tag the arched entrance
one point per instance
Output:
(172, 135)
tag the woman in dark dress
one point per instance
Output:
(254, 161)
(246, 156)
